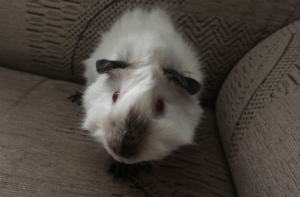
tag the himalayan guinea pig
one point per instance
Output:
(143, 83)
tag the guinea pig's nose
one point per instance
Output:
(125, 150)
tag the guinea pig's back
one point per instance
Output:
(140, 20)
(135, 28)
(135, 37)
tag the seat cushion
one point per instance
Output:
(258, 113)
(43, 151)
(10, 89)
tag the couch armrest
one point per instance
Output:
(258, 114)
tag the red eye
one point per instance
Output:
(159, 107)
(115, 96)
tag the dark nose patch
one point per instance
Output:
(129, 147)
(134, 133)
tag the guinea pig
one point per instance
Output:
(143, 83)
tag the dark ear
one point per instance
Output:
(191, 85)
(104, 65)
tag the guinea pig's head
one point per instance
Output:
(141, 114)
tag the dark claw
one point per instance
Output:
(121, 170)
(76, 98)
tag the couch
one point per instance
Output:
(247, 143)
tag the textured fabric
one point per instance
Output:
(11, 94)
(44, 153)
(53, 37)
(258, 115)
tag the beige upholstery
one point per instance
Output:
(43, 151)
(11, 94)
(258, 113)
(53, 37)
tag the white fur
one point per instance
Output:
(148, 41)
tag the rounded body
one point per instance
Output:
(142, 109)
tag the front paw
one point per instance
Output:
(123, 171)
(76, 98)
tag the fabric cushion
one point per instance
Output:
(258, 114)
(52, 38)
(43, 151)
(11, 94)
